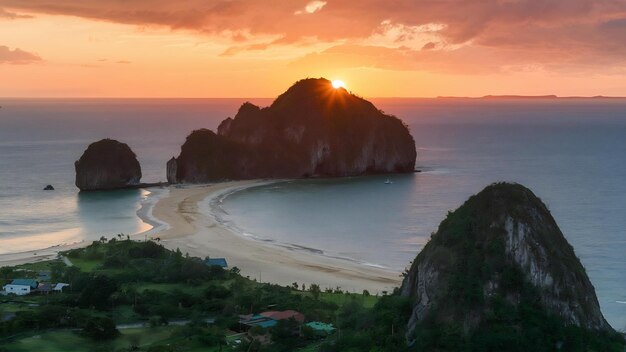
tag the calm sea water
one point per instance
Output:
(570, 153)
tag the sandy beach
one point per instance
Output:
(10, 259)
(199, 234)
(176, 220)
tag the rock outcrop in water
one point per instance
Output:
(107, 164)
(500, 260)
(311, 130)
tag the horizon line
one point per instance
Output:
(484, 97)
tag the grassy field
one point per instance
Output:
(37, 266)
(134, 302)
(86, 264)
(61, 341)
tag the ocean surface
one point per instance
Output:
(571, 153)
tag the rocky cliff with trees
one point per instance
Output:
(311, 130)
(499, 275)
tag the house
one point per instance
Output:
(221, 262)
(321, 328)
(21, 287)
(59, 287)
(284, 315)
(269, 319)
(252, 320)
(44, 288)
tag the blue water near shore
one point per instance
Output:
(570, 153)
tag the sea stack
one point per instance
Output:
(501, 260)
(105, 165)
(311, 130)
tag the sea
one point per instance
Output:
(569, 152)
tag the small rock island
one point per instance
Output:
(499, 271)
(311, 130)
(106, 165)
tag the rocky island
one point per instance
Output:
(311, 130)
(107, 164)
(499, 272)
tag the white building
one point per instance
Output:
(21, 287)
(59, 287)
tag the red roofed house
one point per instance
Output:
(285, 314)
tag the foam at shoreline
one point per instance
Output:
(144, 213)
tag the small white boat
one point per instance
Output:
(388, 182)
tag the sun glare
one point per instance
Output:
(338, 84)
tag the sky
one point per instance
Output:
(258, 48)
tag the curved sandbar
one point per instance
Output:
(201, 235)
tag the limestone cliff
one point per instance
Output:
(501, 248)
(107, 164)
(310, 130)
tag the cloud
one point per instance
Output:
(533, 33)
(311, 7)
(429, 46)
(4, 14)
(17, 56)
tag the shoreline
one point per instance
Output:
(144, 214)
(179, 220)
(39, 255)
(213, 209)
(200, 233)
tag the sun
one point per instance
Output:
(338, 84)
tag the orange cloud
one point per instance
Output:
(17, 56)
(4, 14)
(432, 47)
(582, 29)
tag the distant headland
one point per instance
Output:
(533, 97)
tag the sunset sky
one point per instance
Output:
(380, 48)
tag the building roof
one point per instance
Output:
(285, 314)
(265, 323)
(25, 282)
(59, 286)
(257, 320)
(217, 262)
(322, 327)
(270, 318)
(44, 288)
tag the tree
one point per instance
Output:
(97, 292)
(100, 328)
(213, 337)
(315, 290)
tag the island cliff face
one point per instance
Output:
(311, 130)
(500, 251)
(107, 164)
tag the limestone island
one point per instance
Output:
(499, 275)
(107, 164)
(311, 130)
